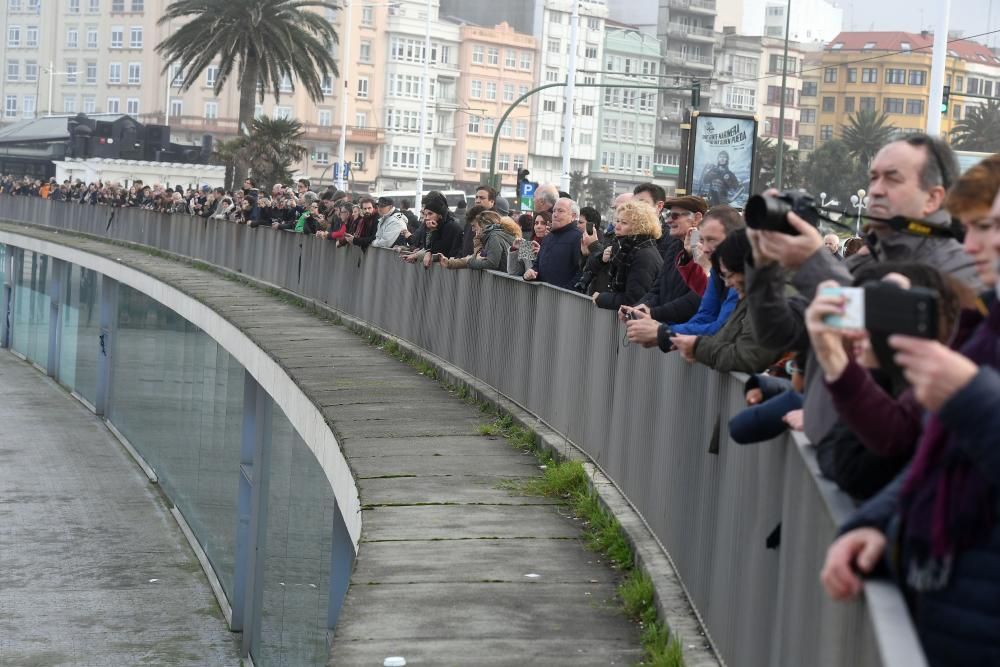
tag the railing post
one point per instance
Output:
(60, 277)
(105, 355)
(7, 297)
(255, 456)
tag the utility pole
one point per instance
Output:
(424, 93)
(779, 176)
(567, 142)
(345, 61)
(937, 70)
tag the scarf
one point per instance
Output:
(621, 261)
(946, 503)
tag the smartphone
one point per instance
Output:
(590, 228)
(694, 240)
(853, 316)
(886, 308)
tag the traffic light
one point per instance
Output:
(696, 94)
(944, 99)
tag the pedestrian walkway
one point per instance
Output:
(93, 569)
(452, 568)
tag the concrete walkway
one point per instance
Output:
(93, 569)
(442, 573)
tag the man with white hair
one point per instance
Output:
(545, 198)
(559, 258)
(832, 243)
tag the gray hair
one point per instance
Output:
(572, 205)
(547, 193)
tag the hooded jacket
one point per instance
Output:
(495, 242)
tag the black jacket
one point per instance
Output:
(670, 299)
(559, 258)
(447, 238)
(642, 272)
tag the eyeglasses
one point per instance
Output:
(677, 215)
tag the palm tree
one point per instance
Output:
(267, 40)
(980, 130)
(867, 132)
(767, 165)
(577, 179)
(271, 148)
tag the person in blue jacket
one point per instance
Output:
(559, 258)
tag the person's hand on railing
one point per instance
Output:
(349, 238)
(410, 258)
(531, 274)
(755, 396)
(795, 420)
(443, 261)
(856, 551)
(639, 312)
(685, 343)
(642, 331)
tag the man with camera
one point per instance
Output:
(909, 178)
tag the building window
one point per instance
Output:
(117, 37)
(809, 88)
(484, 161)
(520, 129)
(91, 72)
(30, 71)
(89, 103)
(91, 38)
(892, 105)
(69, 104)
(176, 107)
(134, 74)
(548, 135)
(282, 113)
(326, 85)
(115, 73)
(493, 56)
(94, 8)
(489, 126)
(366, 51)
(475, 89)
(474, 124)
(869, 75)
(477, 54)
(593, 23)
(895, 76)
(503, 162)
(211, 74)
(554, 46)
(212, 110)
(73, 6)
(830, 75)
(957, 114)
(13, 70)
(829, 104)
(322, 157)
(958, 82)
(867, 104)
(826, 132)
(774, 95)
(10, 106)
(807, 143)
(526, 60)
(28, 107)
(915, 107)
(508, 92)
(852, 75)
(549, 105)
(138, 6)
(367, 15)
(918, 77)
(113, 105)
(361, 120)
(510, 59)
(324, 118)
(590, 52)
(132, 106)
(587, 110)
(14, 36)
(808, 116)
(363, 88)
(848, 105)
(285, 85)
(70, 68)
(471, 159)
(13, 6)
(31, 37)
(117, 6)
(359, 160)
(551, 74)
(775, 65)
(135, 37)
(491, 90)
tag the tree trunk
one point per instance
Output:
(248, 93)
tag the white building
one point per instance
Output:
(811, 20)
(552, 27)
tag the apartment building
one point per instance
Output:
(812, 21)
(686, 29)
(889, 72)
(812, 74)
(498, 67)
(628, 114)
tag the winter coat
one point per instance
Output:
(559, 259)
(495, 241)
(389, 228)
(643, 266)
(734, 347)
(670, 299)
(716, 306)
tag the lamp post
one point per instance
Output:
(425, 86)
(52, 73)
(860, 202)
(779, 175)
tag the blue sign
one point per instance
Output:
(528, 189)
(336, 170)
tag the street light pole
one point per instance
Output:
(345, 62)
(937, 70)
(424, 93)
(779, 176)
(567, 142)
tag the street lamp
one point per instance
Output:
(860, 202)
(52, 73)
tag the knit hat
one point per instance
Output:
(385, 201)
(436, 203)
(501, 206)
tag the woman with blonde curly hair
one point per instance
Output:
(633, 260)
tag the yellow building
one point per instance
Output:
(890, 72)
(498, 66)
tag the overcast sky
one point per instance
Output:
(969, 16)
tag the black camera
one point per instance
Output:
(630, 315)
(769, 213)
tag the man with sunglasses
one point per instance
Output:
(909, 177)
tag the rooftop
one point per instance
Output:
(908, 41)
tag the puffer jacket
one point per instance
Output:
(734, 347)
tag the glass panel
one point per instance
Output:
(84, 301)
(31, 308)
(300, 513)
(178, 398)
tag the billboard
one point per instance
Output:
(722, 160)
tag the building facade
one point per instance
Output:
(686, 30)
(498, 67)
(812, 21)
(897, 83)
(812, 75)
(628, 115)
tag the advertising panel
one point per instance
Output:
(722, 158)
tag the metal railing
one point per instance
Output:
(655, 424)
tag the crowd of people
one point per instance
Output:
(904, 422)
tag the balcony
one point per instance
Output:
(669, 143)
(688, 60)
(444, 139)
(666, 170)
(697, 6)
(690, 32)
(672, 116)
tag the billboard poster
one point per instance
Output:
(722, 158)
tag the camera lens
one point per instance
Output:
(768, 213)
